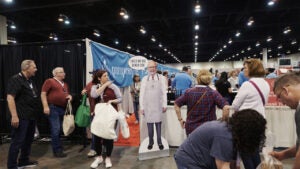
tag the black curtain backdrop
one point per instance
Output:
(69, 55)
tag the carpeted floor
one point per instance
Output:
(134, 139)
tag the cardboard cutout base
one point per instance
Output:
(155, 152)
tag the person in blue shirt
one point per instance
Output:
(270, 73)
(216, 144)
(242, 78)
(182, 81)
(216, 77)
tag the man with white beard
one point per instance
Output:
(153, 102)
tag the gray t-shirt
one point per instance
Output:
(210, 141)
(297, 121)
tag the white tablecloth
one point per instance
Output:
(280, 120)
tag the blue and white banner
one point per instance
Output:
(115, 62)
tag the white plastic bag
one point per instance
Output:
(103, 124)
(269, 162)
(123, 125)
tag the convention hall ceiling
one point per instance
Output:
(170, 35)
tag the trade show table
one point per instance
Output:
(280, 121)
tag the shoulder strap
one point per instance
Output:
(196, 103)
(260, 93)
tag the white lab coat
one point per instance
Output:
(153, 97)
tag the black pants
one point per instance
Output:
(151, 132)
(109, 145)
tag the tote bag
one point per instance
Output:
(82, 118)
(103, 124)
(68, 123)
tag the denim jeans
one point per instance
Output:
(21, 139)
(136, 110)
(55, 120)
(93, 137)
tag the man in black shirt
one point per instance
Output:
(23, 102)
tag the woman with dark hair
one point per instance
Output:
(106, 92)
(224, 87)
(253, 94)
(135, 92)
(216, 144)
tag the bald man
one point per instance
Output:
(55, 96)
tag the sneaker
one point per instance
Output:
(108, 162)
(92, 153)
(98, 160)
(59, 154)
(27, 164)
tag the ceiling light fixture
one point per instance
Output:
(294, 42)
(116, 42)
(250, 21)
(11, 40)
(8, 1)
(53, 36)
(96, 33)
(143, 30)
(153, 38)
(257, 44)
(287, 30)
(279, 46)
(124, 13)
(238, 33)
(271, 2)
(160, 45)
(269, 39)
(64, 18)
(230, 41)
(197, 8)
(11, 24)
(196, 26)
(128, 46)
(196, 36)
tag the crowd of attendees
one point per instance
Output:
(210, 143)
